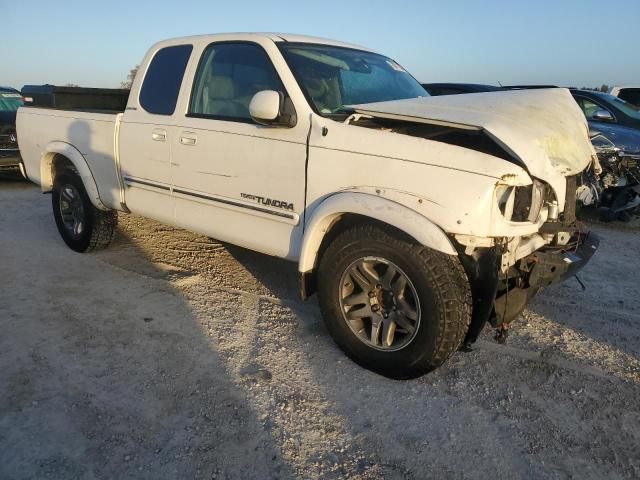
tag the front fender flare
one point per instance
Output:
(379, 208)
(77, 159)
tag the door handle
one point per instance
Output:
(188, 138)
(159, 135)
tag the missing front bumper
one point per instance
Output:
(552, 264)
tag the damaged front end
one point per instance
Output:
(513, 220)
(503, 280)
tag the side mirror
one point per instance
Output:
(603, 115)
(269, 107)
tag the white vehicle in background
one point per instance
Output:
(416, 219)
(629, 93)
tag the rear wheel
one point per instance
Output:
(395, 307)
(82, 226)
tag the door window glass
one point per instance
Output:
(228, 77)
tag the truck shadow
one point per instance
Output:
(109, 373)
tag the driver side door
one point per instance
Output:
(233, 179)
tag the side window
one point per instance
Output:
(589, 107)
(228, 77)
(161, 86)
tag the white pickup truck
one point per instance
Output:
(418, 220)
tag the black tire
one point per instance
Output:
(97, 226)
(439, 281)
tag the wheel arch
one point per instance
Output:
(341, 210)
(60, 155)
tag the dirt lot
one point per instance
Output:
(173, 356)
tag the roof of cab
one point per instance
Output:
(276, 37)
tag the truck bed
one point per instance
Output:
(92, 134)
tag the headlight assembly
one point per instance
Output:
(521, 204)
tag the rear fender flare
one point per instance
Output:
(378, 208)
(72, 154)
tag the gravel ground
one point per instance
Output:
(170, 355)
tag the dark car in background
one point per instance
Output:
(604, 109)
(614, 128)
(437, 89)
(10, 101)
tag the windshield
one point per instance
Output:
(332, 78)
(10, 102)
(626, 107)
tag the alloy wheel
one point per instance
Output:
(379, 303)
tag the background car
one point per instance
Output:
(629, 93)
(437, 89)
(10, 101)
(604, 109)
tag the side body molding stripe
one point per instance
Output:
(148, 183)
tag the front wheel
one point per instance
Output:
(82, 226)
(395, 307)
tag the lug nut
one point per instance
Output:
(385, 314)
(372, 294)
(375, 308)
(394, 308)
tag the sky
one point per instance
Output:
(568, 43)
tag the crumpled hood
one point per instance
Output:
(545, 129)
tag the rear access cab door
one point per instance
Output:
(145, 132)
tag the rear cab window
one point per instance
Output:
(162, 81)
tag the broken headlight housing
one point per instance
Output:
(521, 204)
